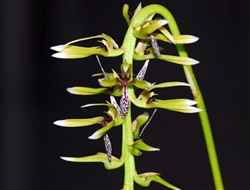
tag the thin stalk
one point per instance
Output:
(129, 45)
(129, 163)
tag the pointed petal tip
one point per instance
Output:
(126, 68)
(154, 149)
(146, 62)
(87, 105)
(66, 158)
(54, 55)
(58, 123)
(196, 38)
(194, 110)
(93, 137)
(162, 22)
(55, 48)
(70, 90)
(196, 62)
(58, 55)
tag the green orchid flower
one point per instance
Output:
(108, 48)
(135, 148)
(145, 179)
(146, 100)
(99, 157)
(146, 33)
(113, 119)
(145, 52)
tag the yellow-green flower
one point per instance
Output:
(146, 100)
(147, 34)
(108, 48)
(113, 119)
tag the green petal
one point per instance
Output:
(142, 84)
(99, 157)
(75, 52)
(78, 90)
(167, 34)
(126, 69)
(109, 75)
(162, 37)
(118, 121)
(154, 25)
(168, 84)
(145, 179)
(98, 104)
(181, 39)
(135, 151)
(99, 133)
(106, 82)
(68, 51)
(143, 146)
(179, 60)
(179, 105)
(125, 12)
(185, 39)
(110, 41)
(179, 102)
(138, 122)
(170, 58)
(78, 122)
(86, 90)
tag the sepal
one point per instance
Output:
(168, 84)
(125, 14)
(79, 122)
(99, 157)
(79, 90)
(145, 100)
(138, 123)
(148, 54)
(140, 145)
(145, 179)
(69, 51)
(99, 133)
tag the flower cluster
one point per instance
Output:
(122, 85)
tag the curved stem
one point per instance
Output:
(214, 163)
(129, 45)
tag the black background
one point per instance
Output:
(33, 95)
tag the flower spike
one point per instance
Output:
(147, 30)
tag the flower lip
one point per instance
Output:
(106, 120)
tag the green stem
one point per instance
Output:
(129, 163)
(129, 45)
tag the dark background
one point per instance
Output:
(33, 95)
